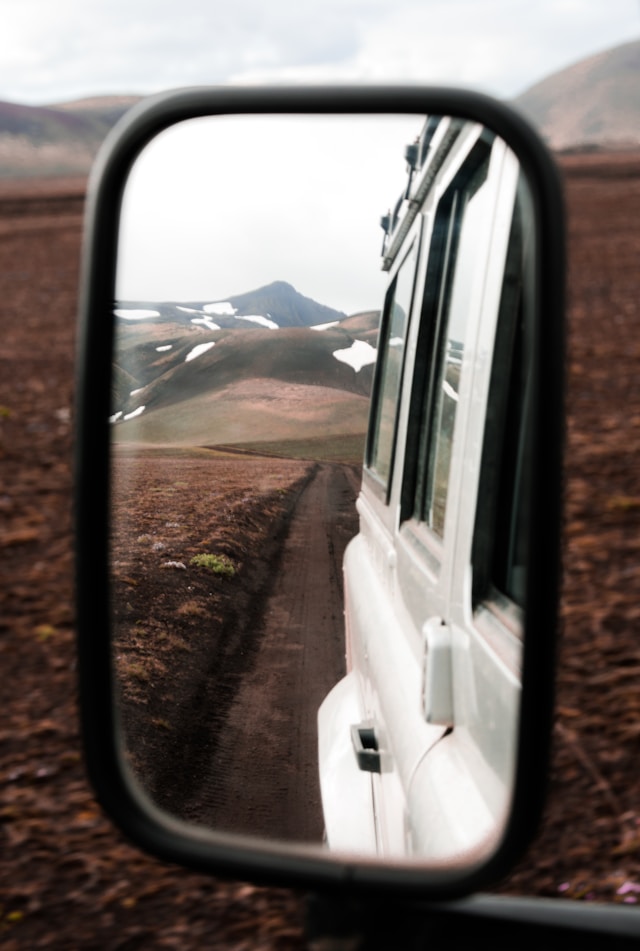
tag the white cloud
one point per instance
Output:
(50, 52)
(497, 46)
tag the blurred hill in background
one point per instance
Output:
(592, 104)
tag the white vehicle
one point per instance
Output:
(417, 744)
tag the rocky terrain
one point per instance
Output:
(68, 878)
(229, 629)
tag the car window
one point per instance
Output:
(500, 532)
(393, 331)
(461, 216)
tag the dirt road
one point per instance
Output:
(264, 776)
(222, 678)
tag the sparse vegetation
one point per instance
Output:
(623, 503)
(192, 608)
(162, 724)
(337, 447)
(137, 671)
(218, 564)
(44, 632)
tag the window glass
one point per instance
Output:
(391, 356)
(463, 219)
(501, 532)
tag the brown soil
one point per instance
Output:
(589, 843)
(222, 669)
(68, 879)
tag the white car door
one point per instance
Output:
(405, 573)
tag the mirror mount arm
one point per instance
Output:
(374, 925)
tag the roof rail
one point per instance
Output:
(424, 160)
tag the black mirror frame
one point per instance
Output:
(217, 853)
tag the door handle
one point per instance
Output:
(365, 745)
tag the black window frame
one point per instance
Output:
(498, 529)
(434, 320)
(384, 485)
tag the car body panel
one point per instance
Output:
(438, 676)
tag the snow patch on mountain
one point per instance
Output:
(206, 322)
(258, 319)
(357, 356)
(221, 308)
(136, 412)
(136, 314)
(198, 351)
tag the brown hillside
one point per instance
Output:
(595, 102)
(55, 140)
(290, 355)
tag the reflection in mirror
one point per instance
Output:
(256, 323)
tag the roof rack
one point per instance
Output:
(424, 158)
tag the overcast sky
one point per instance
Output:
(53, 51)
(219, 206)
(183, 246)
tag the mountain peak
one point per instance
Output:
(281, 302)
(281, 286)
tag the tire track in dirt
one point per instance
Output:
(264, 777)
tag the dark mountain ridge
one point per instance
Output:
(278, 302)
(285, 305)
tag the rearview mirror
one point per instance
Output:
(318, 482)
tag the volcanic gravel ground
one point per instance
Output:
(68, 878)
(221, 674)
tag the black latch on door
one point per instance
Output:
(365, 744)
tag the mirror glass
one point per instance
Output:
(317, 619)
